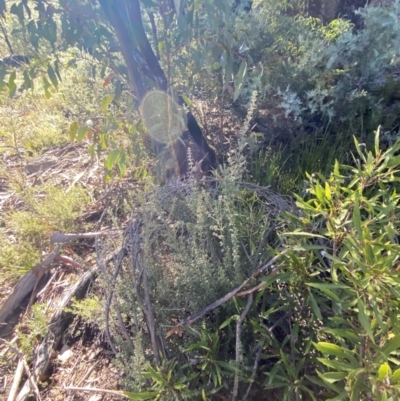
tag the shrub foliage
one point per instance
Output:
(320, 323)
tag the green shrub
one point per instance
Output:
(322, 324)
(26, 231)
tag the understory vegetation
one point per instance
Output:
(269, 273)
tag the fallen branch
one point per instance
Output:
(96, 390)
(16, 381)
(69, 261)
(58, 237)
(26, 284)
(57, 326)
(238, 346)
(250, 291)
(31, 383)
(196, 316)
(156, 341)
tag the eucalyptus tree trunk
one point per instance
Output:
(126, 19)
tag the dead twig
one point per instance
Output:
(21, 357)
(43, 268)
(17, 380)
(196, 316)
(89, 371)
(58, 237)
(69, 261)
(123, 329)
(110, 296)
(250, 291)
(254, 372)
(238, 346)
(146, 303)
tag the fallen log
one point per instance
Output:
(58, 324)
(25, 287)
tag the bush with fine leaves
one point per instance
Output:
(323, 323)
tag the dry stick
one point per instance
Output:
(238, 345)
(196, 316)
(150, 318)
(254, 372)
(96, 390)
(25, 285)
(134, 240)
(146, 303)
(5, 350)
(26, 367)
(250, 291)
(102, 265)
(45, 266)
(5, 382)
(32, 381)
(123, 329)
(110, 296)
(17, 379)
(88, 372)
(58, 237)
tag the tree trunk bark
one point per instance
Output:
(126, 19)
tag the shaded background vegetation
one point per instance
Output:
(272, 95)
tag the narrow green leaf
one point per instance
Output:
(393, 161)
(332, 286)
(105, 102)
(275, 385)
(344, 395)
(141, 396)
(57, 70)
(355, 390)
(186, 100)
(392, 345)
(377, 135)
(350, 335)
(240, 80)
(12, 87)
(328, 193)
(303, 234)
(309, 392)
(112, 158)
(82, 132)
(332, 377)
(228, 321)
(228, 72)
(357, 217)
(52, 75)
(395, 377)
(73, 129)
(325, 384)
(320, 193)
(364, 319)
(336, 170)
(46, 86)
(339, 366)
(314, 306)
(336, 350)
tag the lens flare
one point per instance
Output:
(164, 119)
